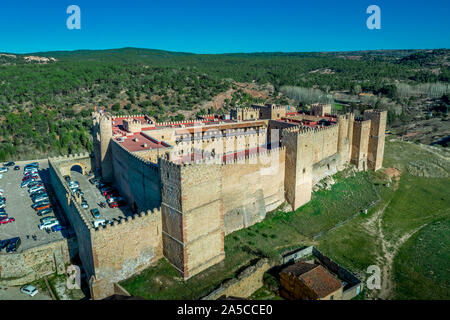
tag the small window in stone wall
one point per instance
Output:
(304, 170)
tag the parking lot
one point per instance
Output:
(93, 197)
(18, 206)
(13, 293)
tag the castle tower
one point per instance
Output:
(360, 144)
(376, 138)
(320, 109)
(351, 123)
(192, 216)
(299, 166)
(96, 138)
(105, 148)
(343, 143)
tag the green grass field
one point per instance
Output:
(331, 220)
(421, 268)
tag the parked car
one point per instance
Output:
(33, 164)
(113, 205)
(2, 205)
(72, 183)
(67, 178)
(7, 220)
(47, 219)
(106, 190)
(29, 290)
(42, 207)
(2, 200)
(31, 176)
(40, 204)
(48, 224)
(3, 169)
(58, 228)
(39, 194)
(26, 183)
(44, 212)
(9, 164)
(84, 204)
(94, 181)
(3, 215)
(37, 183)
(113, 194)
(41, 198)
(99, 222)
(16, 168)
(30, 168)
(35, 189)
(1, 176)
(95, 213)
(13, 245)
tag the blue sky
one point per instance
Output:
(219, 26)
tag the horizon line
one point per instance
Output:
(222, 53)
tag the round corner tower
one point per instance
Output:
(105, 133)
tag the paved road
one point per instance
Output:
(13, 293)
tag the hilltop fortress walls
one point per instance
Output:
(376, 138)
(136, 178)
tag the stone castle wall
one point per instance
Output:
(123, 249)
(110, 253)
(251, 187)
(20, 268)
(137, 179)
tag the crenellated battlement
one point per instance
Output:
(150, 216)
(305, 130)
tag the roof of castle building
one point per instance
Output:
(141, 142)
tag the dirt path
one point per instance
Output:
(385, 257)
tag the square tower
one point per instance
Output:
(376, 138)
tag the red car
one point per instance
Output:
(7, 220)
(113, 194)
(114, 205)
(34, 177)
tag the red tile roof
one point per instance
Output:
(316, 277)
(132, 145)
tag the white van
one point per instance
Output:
(48, 224)
(99, 222)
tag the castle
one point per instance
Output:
(190, 183)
